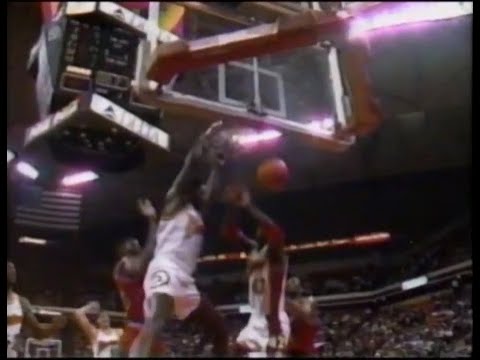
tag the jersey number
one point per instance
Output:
(258, 285)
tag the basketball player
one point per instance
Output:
(128, 275)
(170, 289)
(304, 321)
(20, 312)
(102, 338)
(268, 328)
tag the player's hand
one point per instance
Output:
(212, 129)
(93, 307)
(201, 146)
(216, 145)
(146, 208)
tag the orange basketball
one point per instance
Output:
(273, 174)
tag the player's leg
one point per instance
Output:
(126, 342)
(207, 318)
(130, 333)
(161, 307)
(253, 339)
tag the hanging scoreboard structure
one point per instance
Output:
(84, 63)
(91, 47)
(123, 59)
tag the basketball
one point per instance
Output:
(273, 174)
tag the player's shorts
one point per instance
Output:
(165, 278)
(130, 333)
(254, 337)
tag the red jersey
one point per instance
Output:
(302, 337)
(132, 295)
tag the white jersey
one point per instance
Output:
(179, 240)
(105, 343)
(14, 323)
(259, 290)
(255, 335)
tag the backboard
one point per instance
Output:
(304, 91)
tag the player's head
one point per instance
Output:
(11, 275)
(103, 320)
(129, 247)
(294, 286)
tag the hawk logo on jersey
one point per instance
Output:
(160, 278)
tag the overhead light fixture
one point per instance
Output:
(79, 178)
(27, 170)
(256, 137)
(10, 156)
(409, 13)
(32, 241)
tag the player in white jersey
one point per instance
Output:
(103, 338)
(268, 328)
(170, 289)
(20, 312)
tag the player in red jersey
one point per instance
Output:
(128, 275)
(268, 328)
(304, 321)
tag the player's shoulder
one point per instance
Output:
(24, 302)
(16, 298)
(124, 268)
(118, 268)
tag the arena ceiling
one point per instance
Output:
(422, 78)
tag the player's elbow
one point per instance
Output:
(278, 243)
(231, 233)
(274, 236)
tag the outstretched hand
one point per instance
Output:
(146, 208)
(216, 144)
(202, 145)
(93, 307)
(212, 129)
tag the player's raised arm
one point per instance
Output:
(190, 167)
(209, 188)
(137, 265)
(41, 330)
(148, 211)
(267, 228)
(230, 229)
(275, 253)
(80, 317)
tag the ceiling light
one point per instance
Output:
(79, 178)
(27, 170)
